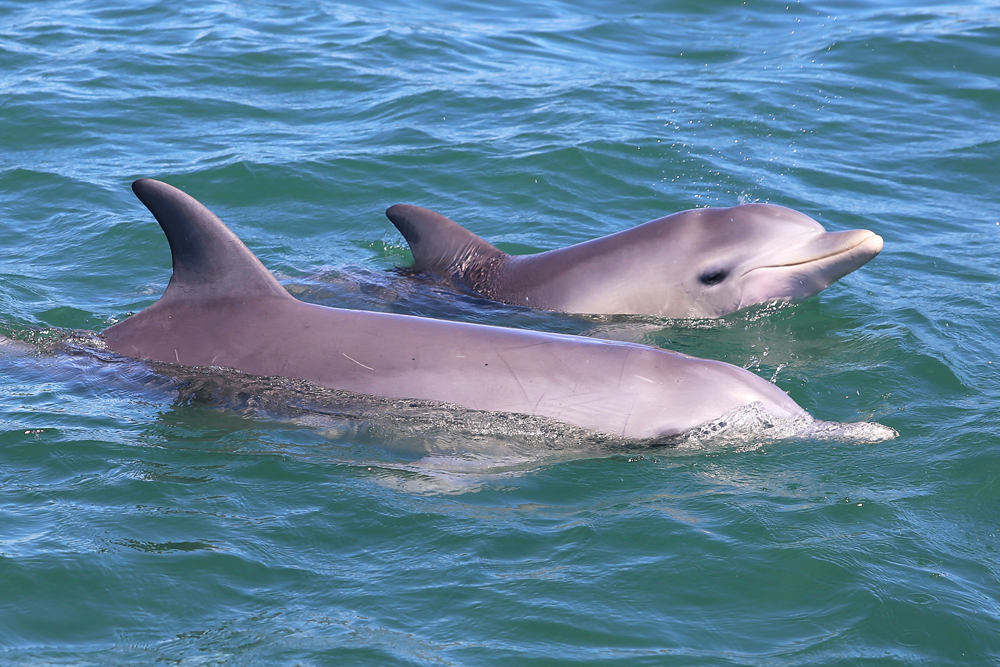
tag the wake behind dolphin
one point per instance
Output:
(223, 308)
(417, 446)
(702, 263)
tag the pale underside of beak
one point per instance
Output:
(804, 269)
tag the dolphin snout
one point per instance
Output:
(807, 267)
(872, 244)
(858, 242)
(857, 245)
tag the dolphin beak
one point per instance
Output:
(873, 244)
(810, 266)
(839, 253)
(857, 245)
(860, 245)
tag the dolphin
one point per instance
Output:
(702, 263)
(223, 308)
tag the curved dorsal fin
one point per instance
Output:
(437, 243)
(209, 260)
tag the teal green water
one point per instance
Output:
(139, 525)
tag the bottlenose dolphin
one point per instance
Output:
(222, 307)
(702, 263)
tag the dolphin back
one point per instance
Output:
(224, 309)
(439, 244)
(209, 261)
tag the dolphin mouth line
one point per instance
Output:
(814, 259)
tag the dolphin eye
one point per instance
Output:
(713, 277)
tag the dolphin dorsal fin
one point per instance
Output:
(437, 243)
(209, 261)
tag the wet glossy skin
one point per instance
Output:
(223, 308)
(702, 263)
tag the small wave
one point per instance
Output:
(451, 475)
(448, 471)
(751, 427)
(444, 448)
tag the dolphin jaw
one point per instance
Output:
(871, 241)
(810, 269)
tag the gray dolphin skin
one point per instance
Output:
(222, 307)
(702, 263)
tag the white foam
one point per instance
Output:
(13, 346)
(752, 426)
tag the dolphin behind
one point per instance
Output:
(702, 263)
(223, 308)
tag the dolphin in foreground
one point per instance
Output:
(702, 263)
(222, 307)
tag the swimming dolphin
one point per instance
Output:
(222, 307)
(702, 263)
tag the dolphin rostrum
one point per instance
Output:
(222, 307)
(702, 263)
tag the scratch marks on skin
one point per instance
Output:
(646, 379)
(587, 405)
(624, 363)
(534, 410)
(357, 362)
(560, 360)
(516, 379)
(177, 356)
(528, 346)
(629, 415)
(635, 397)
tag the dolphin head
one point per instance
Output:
(730, 258)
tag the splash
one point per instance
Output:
(752, 426)
(417, 446)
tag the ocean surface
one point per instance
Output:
(151, 517)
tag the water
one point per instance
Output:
(146, 521)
